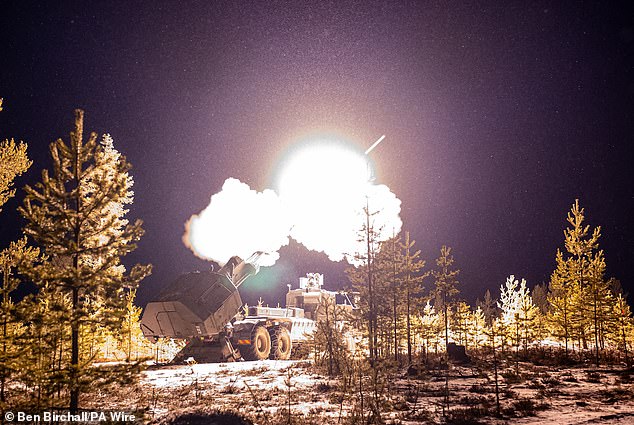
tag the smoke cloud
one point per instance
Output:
(239, 221)
(323, 194)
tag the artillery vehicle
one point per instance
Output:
(205, 308)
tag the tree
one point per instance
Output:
(561, 293)
(540, 300)
(460, 316)
(364, 278)
(413, 279)
(77, 215)
(15, 256)
(430, 327)
(477, 327)
(490, 312)
(131, 335)
(579, 292)
(518, 311)
(446, 288)
(446, 284)
(13, 162)
(624, 326)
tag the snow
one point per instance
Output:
(261, 390)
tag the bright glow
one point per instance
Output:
(323, 189)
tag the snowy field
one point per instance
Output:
(261, 391)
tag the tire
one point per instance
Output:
(281, 344)
(260, 347)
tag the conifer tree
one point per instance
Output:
(578, 281)
(430, 327)
(518, 313)
(413, 285)
(15, 256)
(77, 216)
(131, 335)
(490, 312)
(460, 316)
(388, 288)
(446, 284)
(624, 326)
(13, 162)
(540, 300)
(561, 294)
(477, 327)
(364, 279)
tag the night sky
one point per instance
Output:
(497, 117)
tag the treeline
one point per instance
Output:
(82, 309)
(409, 309)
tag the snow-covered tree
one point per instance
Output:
(77, 216)
(518, 313)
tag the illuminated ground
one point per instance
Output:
(259, 389)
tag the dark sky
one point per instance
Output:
(497, 116)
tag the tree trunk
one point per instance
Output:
(74, 360)
(596, 325)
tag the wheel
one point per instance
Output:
(260, 346)
(281, 344)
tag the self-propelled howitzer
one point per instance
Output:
(205, 308)
(198, 304)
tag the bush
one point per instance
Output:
(593, 377)
(467, 416)
(207, 418)
(524, 407)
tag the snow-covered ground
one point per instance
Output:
(260, 390)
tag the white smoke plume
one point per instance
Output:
(323, 193)
(239, 221)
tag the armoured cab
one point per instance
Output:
(311, 298)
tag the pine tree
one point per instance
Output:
(364, 278)
(13, 162)
(578, 283)
(540, 300)
(413, 285)
(77, 215)
(490, 312)
(389, 291)
(131, 336)
(446, 288)
(561, 294)
(460, 316)
(446, 285)
(16, 256)
(430, 327)
(477, 327)
(623, 326)
(518, 311)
